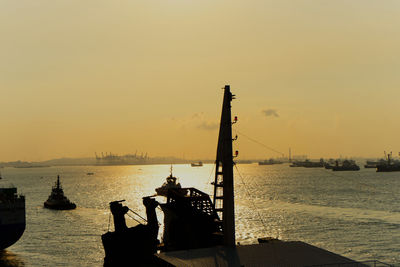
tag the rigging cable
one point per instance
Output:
(209, 177)
(252, 200)
(133, 219)
(257, 142)
(138, 215)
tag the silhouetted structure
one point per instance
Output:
(57, 200)
(136, 244)
(12, 216)
(199, 232)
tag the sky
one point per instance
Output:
(79, 77)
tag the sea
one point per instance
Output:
(355, 214)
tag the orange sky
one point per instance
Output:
(78, 77)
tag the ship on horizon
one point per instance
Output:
(389, 165)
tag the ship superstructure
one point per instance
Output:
(12, 216)
(170, 183)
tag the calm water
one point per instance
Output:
(355, 214)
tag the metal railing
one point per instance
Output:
(373, 263)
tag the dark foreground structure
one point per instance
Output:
(199, 231)
(12, 216)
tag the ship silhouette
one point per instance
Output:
(199, 231)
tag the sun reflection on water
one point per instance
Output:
(8, 259)
(275, 201)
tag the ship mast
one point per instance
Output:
(58, 181)
(223, 184)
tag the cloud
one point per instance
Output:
(208, 126)
(198, 115)
(270, 112)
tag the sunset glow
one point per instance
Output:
(321, 77)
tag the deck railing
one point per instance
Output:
(373, 263)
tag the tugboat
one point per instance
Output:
(57, 200)
(170, 183)
(12, 216)
(347, 165)
(201, 232)
(389, 165)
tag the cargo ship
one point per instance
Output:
(12, 216)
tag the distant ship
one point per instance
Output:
(57, 200)
(196, 164)
(347, 165)
(372, 164)
(389, 165)
(12, 216)
(114, 159)
(270, 162)
(309, 164)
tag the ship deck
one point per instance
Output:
(274, 253)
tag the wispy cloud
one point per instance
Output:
(270, 112)
(208, 126)
(198, 115)
(195, 121)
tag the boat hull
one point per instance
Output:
(340, 168)
(12, 217)
(59, 206)
(10, 233)
(388, 168)
(370, 166)
(196, 164)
